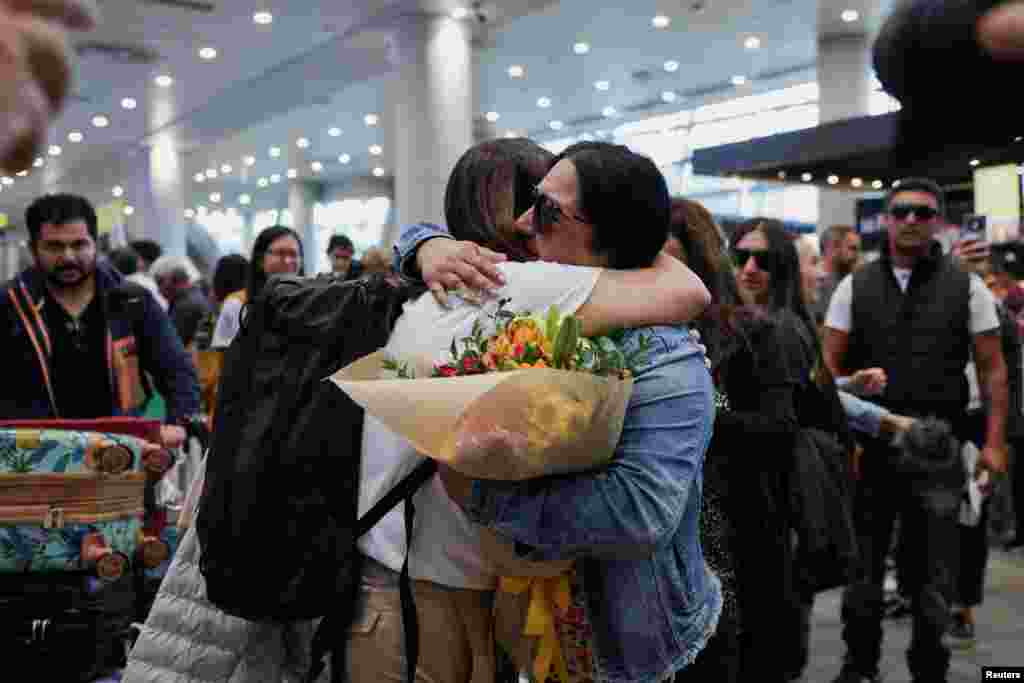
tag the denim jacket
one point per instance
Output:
(634, 525)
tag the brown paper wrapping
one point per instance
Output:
(564, 421)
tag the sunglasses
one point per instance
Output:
(766, 260)
(902, 212)
(547, 212)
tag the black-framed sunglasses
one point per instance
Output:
(546, 212)
(766, 259)
(901, 212)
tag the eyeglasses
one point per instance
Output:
(546, 212)
(284, 254)
(765, 259)
(901, 212)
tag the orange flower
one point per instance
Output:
(540, 364)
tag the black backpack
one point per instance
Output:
(277, 521)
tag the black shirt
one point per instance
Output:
(79, 372)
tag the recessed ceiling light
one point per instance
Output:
(669, 96)
(739, 80)
(806, 177)
(581, 48)
(275, 178)
(262, 182)
(54, 150)
(376, 150)
(7, 180)
(226, 168)
(492, 116)
(199, 177)
(263, 18)
(609, 112)
(164, 81)
(850, 15)
(975, 162)
(833, 180)
(244, 199)
(316, 167)
(371, 119)
(117, 190)
(129, 210)
(274, 152)
(75, 136)
(190, 213)
(556, 125)
(857, 182)
(100, 121)
(344, 159)
(302, 143)
(378, 172)
(671, 66)
(781, 175)
(752, 42)
(129, 103)
(249, 161)
(38, 163)
(215, 197)
(21, 174)
(878, 184)
(544, 102)
(511, 134)
(1018, 138)
(292, 173)
(207, 53)
(211, 173)
(460, 13)
(660, 21)
(334, 132)
(516, 71)
(602, 85)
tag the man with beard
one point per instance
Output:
(76, 335)
(840, 254)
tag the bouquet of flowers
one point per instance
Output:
(530, 399)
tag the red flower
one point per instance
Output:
(446, 371)
(470, 364)
(519, 351)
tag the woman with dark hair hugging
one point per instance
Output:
(598, 219)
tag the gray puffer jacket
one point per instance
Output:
(188, 640)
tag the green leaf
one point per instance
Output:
(551, 328)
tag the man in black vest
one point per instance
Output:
(912, 319)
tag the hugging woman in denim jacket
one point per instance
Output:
(632, 527)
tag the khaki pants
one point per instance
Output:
(456, 643)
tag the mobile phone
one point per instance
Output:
(974, 227)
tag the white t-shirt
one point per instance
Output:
(446, 544)
(227, 324)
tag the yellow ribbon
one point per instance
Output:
(546, 596)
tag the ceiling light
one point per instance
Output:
(556, 125)
(292, 173)
(129, 103)
(54, 150)
(1018, 138)
(117, 191)
(378, 172)
(516, 71)
(344, 159)
(100, 121)
(668, 96)
(274, 152)
(21, 174)
(7, 180)
(316, 167)
(511, 134)
(544, 102)
(263, 18)
(226, 168)
(262, 182)
(460, 13)
(739, 80)
(752, 42)
(207, 53)
(878, 184)
(602, 85)
(244, 199)
(215, 197)
(975, 162)
(781, 175)
(75, 136)
(190, 213)
(129, 210)
(334, 132)
(492, 116)
(249, 161)
(581, 48)
(164, 81)
(833, 180)
(211, 173)
(275, 178)
(199, 177)
(371, 119)
(857, 182)
(671, 66)
(806, 177)
(302, 143)
(609, 112)
(376, 150)
(38, 163)
(850, 15)
(660, 21)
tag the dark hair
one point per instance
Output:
(59, 209)
(257, 276)
(339, 241)
(626, 199)
(834, 234)
(126, 260)
(925, 185)
(149, 250)
(492, 185)
(230, 275)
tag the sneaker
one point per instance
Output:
(850, 676)
(961, 634)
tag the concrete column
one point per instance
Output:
(302, 194)
(156, 193)
(433, 98)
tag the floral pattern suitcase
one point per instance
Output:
(71, 501)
